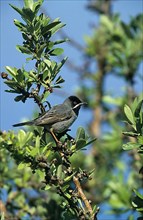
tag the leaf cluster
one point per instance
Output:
(50, 163)
(120, 43)
(134, 115)
(35, 149)
(37, 31)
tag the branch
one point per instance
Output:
(83, 197)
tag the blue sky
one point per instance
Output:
(78, 24)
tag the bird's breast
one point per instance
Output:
(62, 126)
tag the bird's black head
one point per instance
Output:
(75, 103)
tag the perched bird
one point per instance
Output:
(59, 118)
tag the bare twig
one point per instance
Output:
(83, 197)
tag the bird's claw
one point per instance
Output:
(59, 143)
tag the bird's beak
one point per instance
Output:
(82, 103)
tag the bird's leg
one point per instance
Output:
(54, 136)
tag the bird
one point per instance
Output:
(59, 118)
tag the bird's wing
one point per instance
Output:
(55, 114)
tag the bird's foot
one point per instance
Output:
(59, 143)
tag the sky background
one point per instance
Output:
(78, 24)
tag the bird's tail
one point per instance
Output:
(23, 123)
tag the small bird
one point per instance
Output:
(59, 118)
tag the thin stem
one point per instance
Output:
(83, 197)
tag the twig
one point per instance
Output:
(83, 197)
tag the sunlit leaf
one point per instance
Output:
(23, 49)
(129, 114)
(131, 134)
(80, 133)
(29, 4)
(56, 52)
(21, 166)
(138, 108)
(11, 70)
(131, 146)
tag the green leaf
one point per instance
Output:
(46, 94)
(131, 134)
(61, 64)
(37, 5)
(138, 201)
(57, 27)
(80, 202)
(140, 139)
(90, 142)
(47, 187)
(138, 194)
(20, 77)
(80, 134)
(106, 22)
(56, 86)
(91, 172)
(29, 136)
(20, 25)
(115, 201)
(18, 98)
(131, 146)
(41, 174)
(115, 101)
(24, 138)
(56, 52)
(129, 114)
(37, 144)
(17, 9)
(80, 143)
(60, 173)
(29, 4)
(138, 109)
(60, 80)
(45, 75)
(134, 104)
(37, 27)
(23, 49)
(49, 47)
(12, 84)
(13, 91)
(29, 58)
(28, 15)
(34, 151)
(61, 41)
(68, 178)
(40, 50)
(2, 216)
(48, 27)
(21, 166)
(68, 195)
(11, 70)
(139, 126)
(21, 137)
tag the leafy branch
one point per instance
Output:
(134, 115)
(36, 149)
